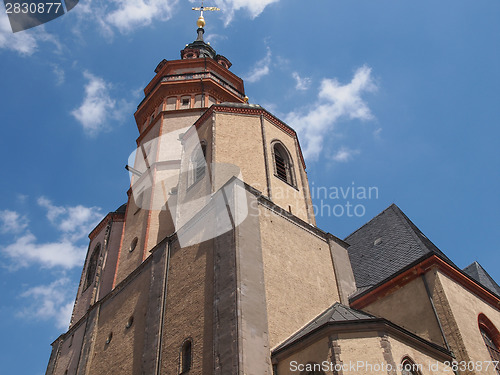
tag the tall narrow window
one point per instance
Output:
(201, 163)
(491, 338)
(282, 164)
(186, 357)
(92, 267)
(198, 165)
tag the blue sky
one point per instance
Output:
(397, 95)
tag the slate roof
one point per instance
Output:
(385, 245)
(337, 313)
(122, 209)
(478, 273)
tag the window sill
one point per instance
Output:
(286, 182)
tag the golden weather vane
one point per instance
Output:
(201, 20)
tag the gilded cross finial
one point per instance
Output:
(201, 20)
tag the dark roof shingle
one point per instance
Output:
(385, 245)
(478, 273)
(334, 314)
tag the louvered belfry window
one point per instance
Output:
(198, 165)
(282, 164)
(201, 163)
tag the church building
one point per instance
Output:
(215, 264)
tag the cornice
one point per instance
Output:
(112, 216)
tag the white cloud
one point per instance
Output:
(12, 222)
(123, 15)
(97, 107)
(254, 7)
(24, 42)
(74, 222)
(334, 101)
(53, 302)
(301, 84)
(127, 15)
(130, 14)
(261, 68)
(344, 154)
(25, 252)
(50, 302)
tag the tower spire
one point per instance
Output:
(200, 49)
(201, 20)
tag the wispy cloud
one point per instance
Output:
(12, 222)
(212, 38)
(344, 154)
(73, 224)
(123, 16)
(377, 133)
(334, 101)
(301, 83)
(50, 302)
(59, 73)
(22, 198)
(253, 7)
(97, 107)
(261, 68)
(27, 42)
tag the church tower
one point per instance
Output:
(210, 263)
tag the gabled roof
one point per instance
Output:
(478, 273)
(385, 245)
(342, 318)
(335, 314)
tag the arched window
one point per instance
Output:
(92, 267)
(186, 357)
(409, 367)
(198, 164)
(491, 338)
(283, 168)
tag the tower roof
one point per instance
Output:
(199, 47)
